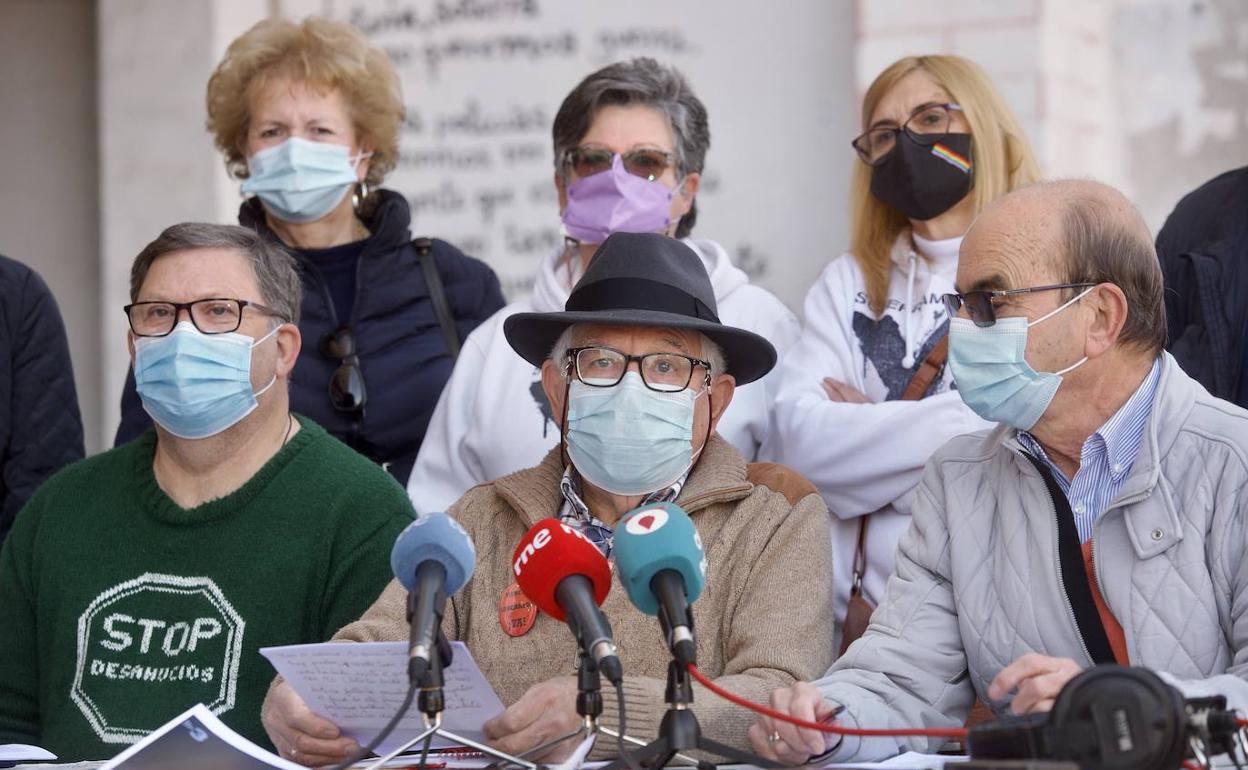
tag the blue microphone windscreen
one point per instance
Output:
(439, 537)
(653, 538)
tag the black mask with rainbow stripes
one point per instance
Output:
(922, 180)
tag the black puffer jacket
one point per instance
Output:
(40, 427)
(403, 355)
(1203, 249)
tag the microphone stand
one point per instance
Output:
(679, 731)
(589, 707)
(432, 702)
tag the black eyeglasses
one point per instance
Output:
(664, 372)
(214, 315)
(346, 385)
(647, 163)
(981, 306)
(926, 125)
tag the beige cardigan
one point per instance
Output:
(763, 620)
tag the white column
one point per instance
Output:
(1050, 59)
(48, 196)
(158, 165)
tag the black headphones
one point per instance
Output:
(1115, 718)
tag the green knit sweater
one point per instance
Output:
(119, 609)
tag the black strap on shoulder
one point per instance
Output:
(1074, 575)
(437, 294)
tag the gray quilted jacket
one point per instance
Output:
(977, 584)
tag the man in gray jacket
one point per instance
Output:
(1102, 521)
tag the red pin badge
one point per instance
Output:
(516, 614)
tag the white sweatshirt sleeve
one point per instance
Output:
(781, 328)
(447, 464)
(862, 457)
(764, 314)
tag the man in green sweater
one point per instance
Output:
(144, 580)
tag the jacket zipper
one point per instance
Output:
(1096, 572)
(357, 417)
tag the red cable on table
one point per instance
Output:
(956, 733)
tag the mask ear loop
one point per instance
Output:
(563, 422)
(270, 334)
(710, 419)
(1060, 308)
(273, 381)
(1052, 313)
(680, 190)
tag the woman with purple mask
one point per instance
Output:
(630, 142)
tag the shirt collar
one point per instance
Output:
(575, 511)
(1122, 434)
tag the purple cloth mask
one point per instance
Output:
(616, 201)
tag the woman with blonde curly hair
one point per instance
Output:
(864, 396)
(308, 116)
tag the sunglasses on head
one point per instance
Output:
(981, 306)
(346, 385)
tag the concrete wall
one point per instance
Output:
(482, 83)
(49, 202)
(157, 162)
(1150, 96)
(103, 141)
(1181, 89)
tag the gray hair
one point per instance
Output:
(642, 81)
(1101, 245)
(711, 352)
(276, 271)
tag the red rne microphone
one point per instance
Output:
(567, 577)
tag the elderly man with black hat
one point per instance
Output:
(639, 371)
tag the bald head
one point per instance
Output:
(1076, 231)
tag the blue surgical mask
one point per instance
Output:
(196, 385)
(992, 373)
(628, 439)
(299, 180)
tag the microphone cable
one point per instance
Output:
(628, 758)
(371, 748)
(954, 733)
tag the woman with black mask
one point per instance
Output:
(864, 396)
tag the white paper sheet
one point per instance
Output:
(20, 752)
(359, 686)
(577, 758)
(911, 760)
(196, 740)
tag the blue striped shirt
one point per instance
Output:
(1106, 458)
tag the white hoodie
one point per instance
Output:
(868, 458)
(493, 418)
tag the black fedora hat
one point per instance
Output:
(643, 279)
